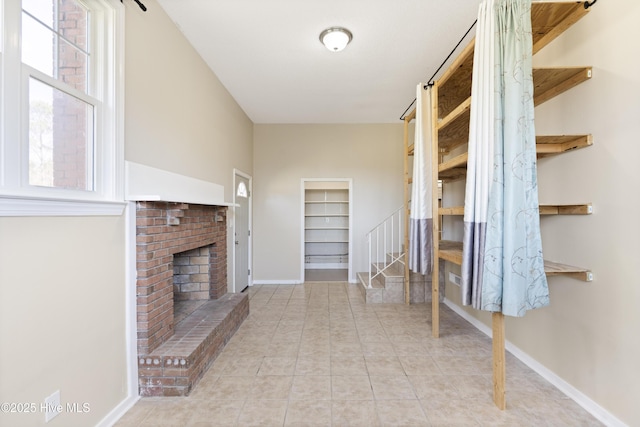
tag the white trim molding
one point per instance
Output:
(18, 206)
(146, 183)
(576, 395)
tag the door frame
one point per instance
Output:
(238, 172)
(349, 181)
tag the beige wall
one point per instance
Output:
(285, 154)
(62, 315)
(589, 334)
(179, 116)
(62, 279)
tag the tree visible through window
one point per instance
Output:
(61, 141)
(61, 133)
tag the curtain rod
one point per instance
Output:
(143, 7)
(430, 81)
(587, 5)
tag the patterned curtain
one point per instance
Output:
(502, 263)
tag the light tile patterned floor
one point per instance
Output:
(316, 355)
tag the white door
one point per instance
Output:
(242, 233)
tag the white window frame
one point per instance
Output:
(17, 198)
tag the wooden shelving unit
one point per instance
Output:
(451, 98)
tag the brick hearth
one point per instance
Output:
(176, 366)
(196, 235)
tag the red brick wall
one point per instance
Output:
(72, 121)
(162, 230)
(191, 274)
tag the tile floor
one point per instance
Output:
(316, 355)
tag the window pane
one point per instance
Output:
(59, 52)
(60, 139)
(37, 45)
(41, 9)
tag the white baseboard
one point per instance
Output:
(277, 282)
(117, 412)
(576, 395)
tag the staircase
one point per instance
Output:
(385, 280)
(388, 280)
(388, 285)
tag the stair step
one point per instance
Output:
(382, 290)
(394, 270)
(394, 255)
(376, 283)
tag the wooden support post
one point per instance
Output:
(405, 249)
(499, 365)
(435, 272)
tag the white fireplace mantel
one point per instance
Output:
(145, 183)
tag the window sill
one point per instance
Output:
(12, 206)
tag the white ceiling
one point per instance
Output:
(268, 55)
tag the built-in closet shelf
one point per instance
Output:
(452, 251)
(326, 225)
(546, 145)
(327, 202)
(326, 228)
(580, 209)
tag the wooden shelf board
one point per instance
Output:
(557, 269)
(324, 215)
(545, 209)
(453, 169)
(452, 251)
(580, 209)
(455, 162)
(410, 116)
(452, 211)
(549, 20)
(454, 115)
(453, 130)
(548, 145)
(454, 174)
(455, 83)
(550, 82)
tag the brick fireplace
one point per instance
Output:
(181, 254)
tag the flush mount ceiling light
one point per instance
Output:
(336, 38)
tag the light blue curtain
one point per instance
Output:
(502, 263)
(421, 212)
